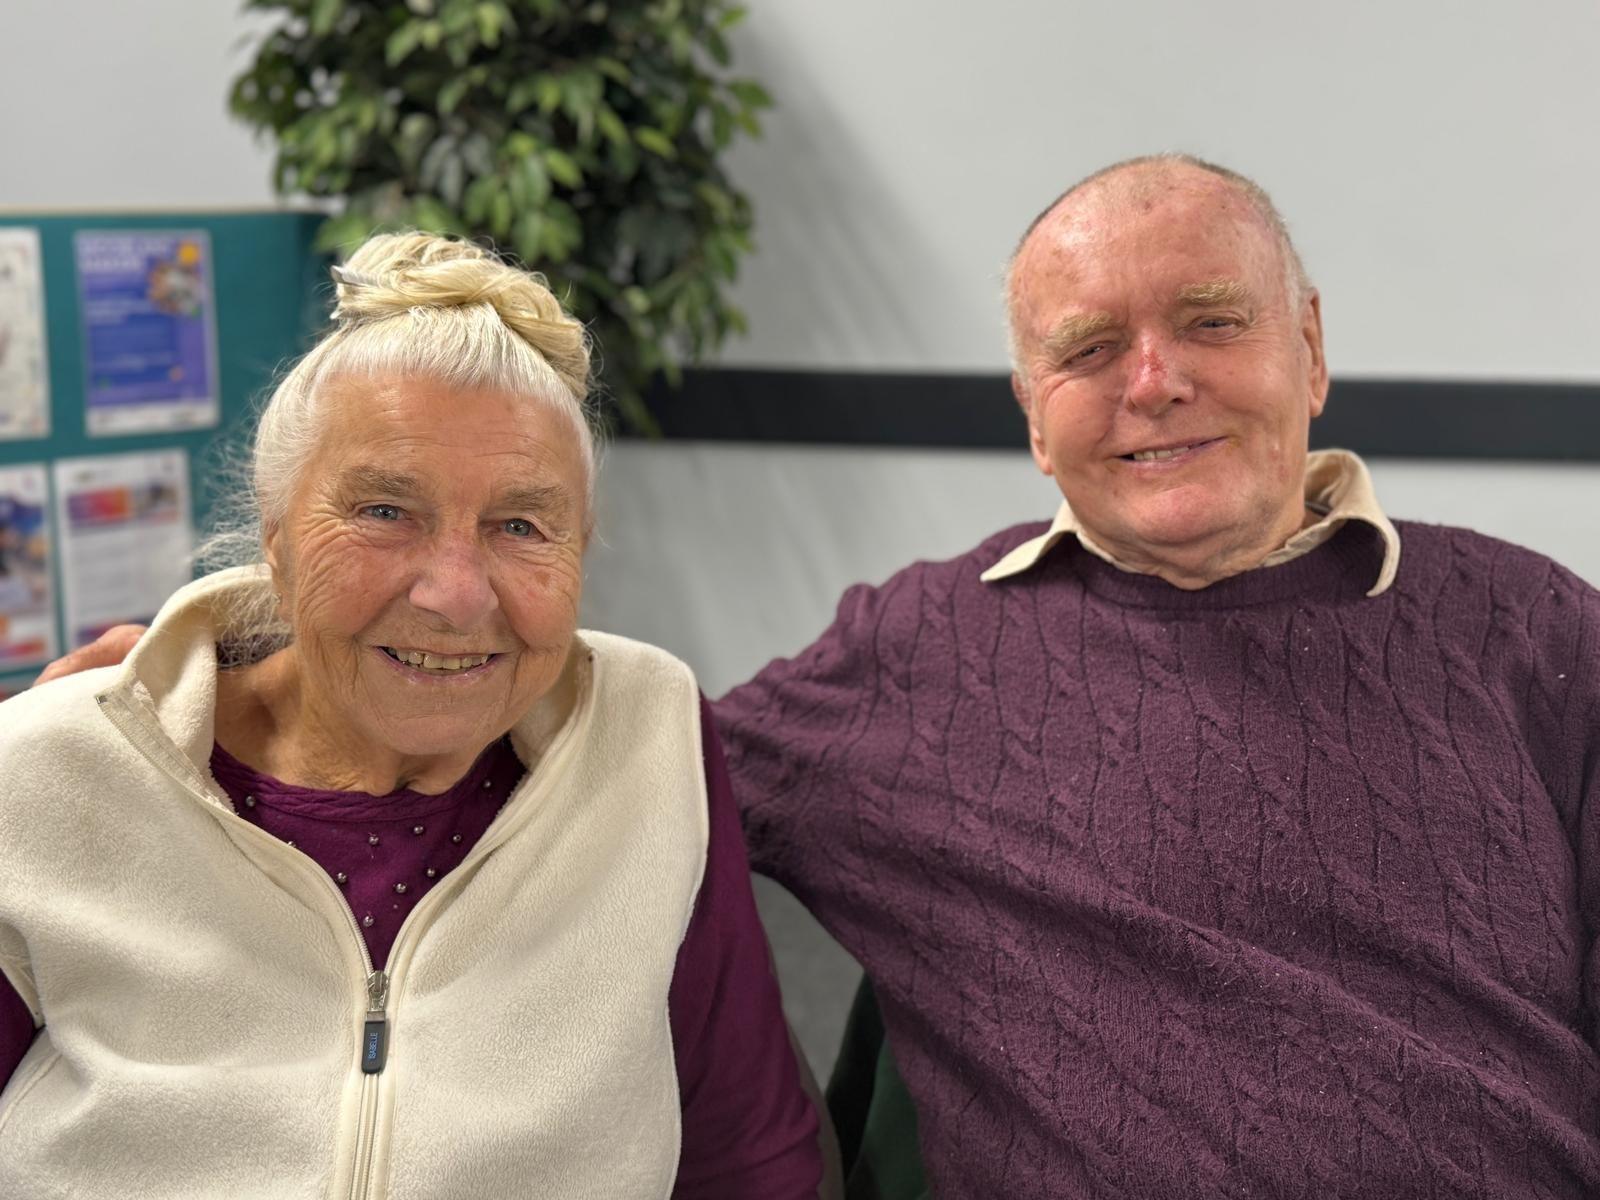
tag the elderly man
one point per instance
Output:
(1203, 843)
(1198, 843)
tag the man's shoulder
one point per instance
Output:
(1434, 552)
(966, 567)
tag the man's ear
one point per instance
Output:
(1317, 369)
(1019, 389)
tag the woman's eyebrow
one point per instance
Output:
(378, 481)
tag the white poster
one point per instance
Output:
(27, 607)
(24, 355)
(125, 535)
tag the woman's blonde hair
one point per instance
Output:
(411, 304)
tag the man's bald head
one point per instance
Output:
(1139, 181)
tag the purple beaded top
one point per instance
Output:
(384, 852)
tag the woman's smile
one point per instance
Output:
(438, 668)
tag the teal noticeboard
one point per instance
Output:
(269, 298)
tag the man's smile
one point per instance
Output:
(1169, 451)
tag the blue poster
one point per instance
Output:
(149, 330)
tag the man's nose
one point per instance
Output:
(1157, 378)
(453, 581)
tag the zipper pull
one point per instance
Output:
(375, 1037)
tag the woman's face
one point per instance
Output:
(430, 563)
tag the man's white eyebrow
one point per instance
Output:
(1074, 328)
(1213, 291)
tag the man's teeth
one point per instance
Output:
(438, 662)
(1153, 455)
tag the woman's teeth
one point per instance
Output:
(436, 662)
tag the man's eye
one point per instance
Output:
(383, 512)
(517, 527)
(1086, 353)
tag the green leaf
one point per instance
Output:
(549, 90)
(529, 237)
(401, 43)
(717, 199)
(562, 169)
(613, 69)
(451, 94)
(345, 230)
(433, 217)
(523, 93)
(655, 141)
(750, 93)
(500, 212)
(732, 17)
(535, 179)
(325, 15)
(492, 19)
(611, 126)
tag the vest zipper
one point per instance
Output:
(375, 1037)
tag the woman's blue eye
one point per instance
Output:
(517, 527)
(384, 512)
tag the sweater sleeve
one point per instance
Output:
(807, 733)
(16, 1030)
(749, 1129)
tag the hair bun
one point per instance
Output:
(395, 273)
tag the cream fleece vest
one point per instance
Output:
(204, 991)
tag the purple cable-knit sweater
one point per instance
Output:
(1265, 890)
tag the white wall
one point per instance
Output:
(1436, 162)
(105, 104)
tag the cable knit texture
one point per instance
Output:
(1268, 889)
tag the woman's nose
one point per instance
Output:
(454, 584)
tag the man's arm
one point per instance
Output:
(807, 733)
(109, 649)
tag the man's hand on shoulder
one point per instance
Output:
(107, 650)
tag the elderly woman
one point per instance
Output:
(367, 874)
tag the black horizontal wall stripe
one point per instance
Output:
(1382, 417)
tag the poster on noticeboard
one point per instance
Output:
(27, 602)
(24, 356)
(125, 538)
(149, 330)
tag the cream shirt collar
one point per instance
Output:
(1337, 485)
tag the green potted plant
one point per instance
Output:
(584, 137)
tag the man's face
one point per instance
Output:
(1168, 375)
